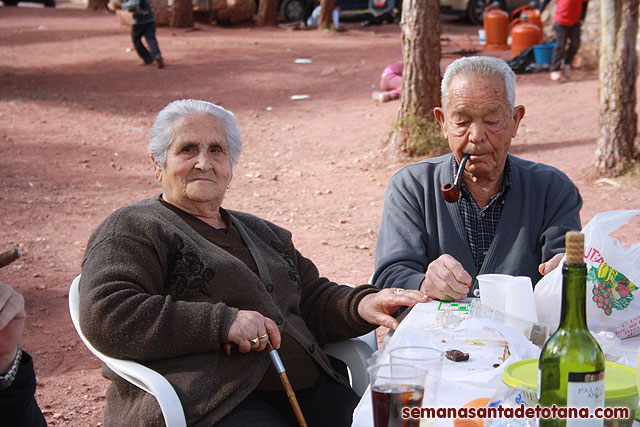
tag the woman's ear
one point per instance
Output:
(157, 169)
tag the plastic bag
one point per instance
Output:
(613, 279)
(514, 398)
(525, 62)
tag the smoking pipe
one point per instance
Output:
(451, 192)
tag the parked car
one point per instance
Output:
(300, 10)
(474, 9)
(296, 10)
(47, 3)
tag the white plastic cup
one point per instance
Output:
(493, 289)
(519, 300)
(510, 294)
(429, 360)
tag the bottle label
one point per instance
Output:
(585, 390)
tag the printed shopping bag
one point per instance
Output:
(613, 280)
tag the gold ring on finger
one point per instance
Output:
(255, 341)
(398, 291)
(263, 336)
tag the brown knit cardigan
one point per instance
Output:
(154, 290)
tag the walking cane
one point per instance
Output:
(277, 363)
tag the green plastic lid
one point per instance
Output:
(619, 380)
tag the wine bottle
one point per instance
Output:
(571, 364)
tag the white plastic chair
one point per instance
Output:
(136, 373)
(352, 352)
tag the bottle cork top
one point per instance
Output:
(575, 247)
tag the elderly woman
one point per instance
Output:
(173, 280)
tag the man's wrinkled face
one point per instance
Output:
(478, 122)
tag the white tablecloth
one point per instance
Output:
(465, 381)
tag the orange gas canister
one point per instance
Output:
(496, 27)
(532, 13)
(523, 35)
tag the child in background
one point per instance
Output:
(390, 83)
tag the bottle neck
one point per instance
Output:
(574, 291)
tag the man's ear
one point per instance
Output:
(440, 117)
(157, 169)
(518, 114)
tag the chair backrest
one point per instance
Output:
(136, 373)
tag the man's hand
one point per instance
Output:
(547, 267)
(12, 318)
(114, 4)
(378, 307)
(446, 279)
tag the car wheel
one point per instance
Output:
(10, 2)
(294, 10)
(475, 9)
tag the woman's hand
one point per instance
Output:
(377, 307)
(251, 330)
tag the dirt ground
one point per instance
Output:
(75, 113)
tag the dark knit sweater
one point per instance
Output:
(302, 370)
(155, 290)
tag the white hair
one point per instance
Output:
(482, 66)
(163, 132)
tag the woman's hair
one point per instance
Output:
(481, 66)
(163, 132)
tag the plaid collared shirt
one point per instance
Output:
(480, 224)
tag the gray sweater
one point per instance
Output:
(418, 225)
(155, 290)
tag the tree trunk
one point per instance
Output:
(181, 14)
(325, 20)
(420, 25)
(267, 13)
(615, 149)
(97, 4)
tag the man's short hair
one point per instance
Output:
(483, 66)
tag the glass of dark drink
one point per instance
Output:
(395, 390)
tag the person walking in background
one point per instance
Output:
(390, 83)
(568, 19)
(144, 25)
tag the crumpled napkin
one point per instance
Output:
(480, 368)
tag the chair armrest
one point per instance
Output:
(151, 382)
(134, 372)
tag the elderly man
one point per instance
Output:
(512, 214)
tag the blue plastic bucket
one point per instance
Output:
(543, 52)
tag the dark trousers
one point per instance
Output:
(327, 403)
(567, 45)
(148, 31)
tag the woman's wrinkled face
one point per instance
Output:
(198, 167)
(479, 122)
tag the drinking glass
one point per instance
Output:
(393, 388)
(430, 361)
